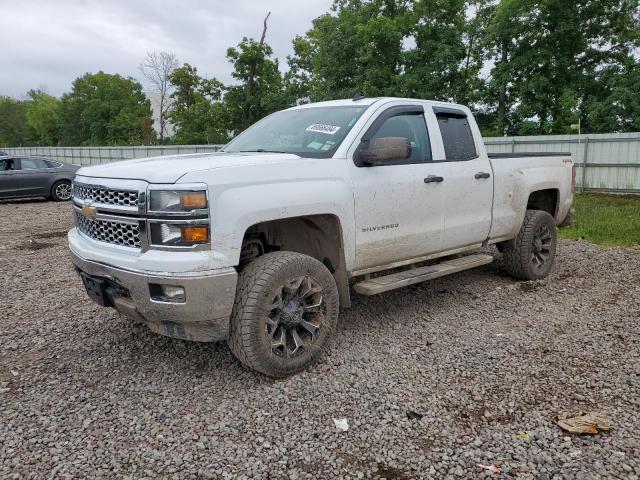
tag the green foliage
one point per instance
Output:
(359, 48)
(297, 78)
(259, 91)
(43, 117)
(525, 66)
(104, 109)
(206, 111)
(14, 130)
(557, 62)
(608, 220)
(615, 105)
(196, 112)
(447, 59)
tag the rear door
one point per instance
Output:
(468, 196)
(33, 176)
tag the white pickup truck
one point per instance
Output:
(261, 243)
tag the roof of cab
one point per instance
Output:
(371, 100)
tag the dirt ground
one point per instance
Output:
(433, 379)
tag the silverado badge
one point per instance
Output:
(89, 210)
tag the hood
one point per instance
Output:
(169, 168)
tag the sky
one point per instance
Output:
(52, 42)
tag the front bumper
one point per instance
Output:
(203, 317)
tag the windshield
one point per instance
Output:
(314, 132)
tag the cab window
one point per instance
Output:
(412, 126)
(456, 136)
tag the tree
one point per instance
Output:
(43, 117)
(14, 130)
(260, 90)
(157, 69)
(357, 47)
(196, 110)
(104, 109)
(447, 58)
(297, 79)
(551, 59)
(615, 106)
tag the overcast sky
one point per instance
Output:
(52, 42)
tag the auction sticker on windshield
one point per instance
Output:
(321, 128)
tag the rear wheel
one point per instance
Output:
(285, 309)
(61, 191)
(531, 255)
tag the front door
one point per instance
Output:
(399, 210)
(8, 170)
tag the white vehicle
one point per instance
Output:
(260, 244)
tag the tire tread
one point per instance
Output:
(252, 281)
(516, 256)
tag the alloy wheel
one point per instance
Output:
(63, 191)
(541, 248)
(296, 316)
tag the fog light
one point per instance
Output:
(167, 293)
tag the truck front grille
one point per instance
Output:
(95, 194)
(112, 232)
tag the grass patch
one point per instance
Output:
(608, 220)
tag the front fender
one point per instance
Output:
(268, 193)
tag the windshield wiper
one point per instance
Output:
(260, 150)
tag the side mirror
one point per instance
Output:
(378, 151)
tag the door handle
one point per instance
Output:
(433, 179)
(482, 175)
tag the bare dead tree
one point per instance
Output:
(264, 29)
(157, 68)
(254, 66)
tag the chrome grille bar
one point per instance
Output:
(115, 232)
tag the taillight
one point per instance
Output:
(573, 179)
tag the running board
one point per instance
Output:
(421, 274)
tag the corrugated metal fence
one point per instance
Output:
(606, 162)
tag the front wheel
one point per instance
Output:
(286, 307)
(531, 255)
(61, 191)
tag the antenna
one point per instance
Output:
(358, 96)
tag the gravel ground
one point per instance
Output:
(484, 360)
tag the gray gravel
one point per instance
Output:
(85, 393)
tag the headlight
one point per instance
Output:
(178, 234)
(177, 201)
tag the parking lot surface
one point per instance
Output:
(433, 379)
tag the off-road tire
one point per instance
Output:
(56, 193)
(519, 254)
(258, 284)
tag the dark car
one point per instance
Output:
(23, 177)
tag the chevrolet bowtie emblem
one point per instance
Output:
(89, 211)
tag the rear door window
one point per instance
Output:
(456, 135)
(32, 164)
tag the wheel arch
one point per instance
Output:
(545, 200)
(319, 236)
